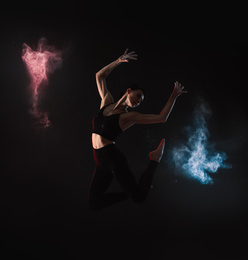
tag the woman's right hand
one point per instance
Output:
(128, 56)
(178, 89)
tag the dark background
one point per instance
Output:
(46, 172)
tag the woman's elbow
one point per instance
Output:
(100, 75)
(162, 119)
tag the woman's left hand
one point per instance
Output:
(178, 89)
(128, 56)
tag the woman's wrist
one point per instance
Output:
(174, 95)
(120, 60)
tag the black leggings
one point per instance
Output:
(110, 162)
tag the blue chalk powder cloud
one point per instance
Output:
(197, 157)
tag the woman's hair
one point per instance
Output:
(134, 86)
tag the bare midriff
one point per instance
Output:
(99, 142)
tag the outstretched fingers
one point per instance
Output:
(125, 52)
(132, 55)
(179, 89)
(128, 56)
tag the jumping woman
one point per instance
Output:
(111, 120)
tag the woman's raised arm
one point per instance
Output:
(139, 118)
(104, 72)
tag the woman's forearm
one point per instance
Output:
(177, 91)
(103, 73)
(107, 69)
(164, 114)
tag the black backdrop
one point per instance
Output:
(46, 172)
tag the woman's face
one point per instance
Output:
(135, 97)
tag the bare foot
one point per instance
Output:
(157, 154)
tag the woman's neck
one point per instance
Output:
(121, 104)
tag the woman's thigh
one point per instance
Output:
(125, 176)
(100, 181)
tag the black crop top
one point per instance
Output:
(106, 126)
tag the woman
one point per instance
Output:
(111, 120)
